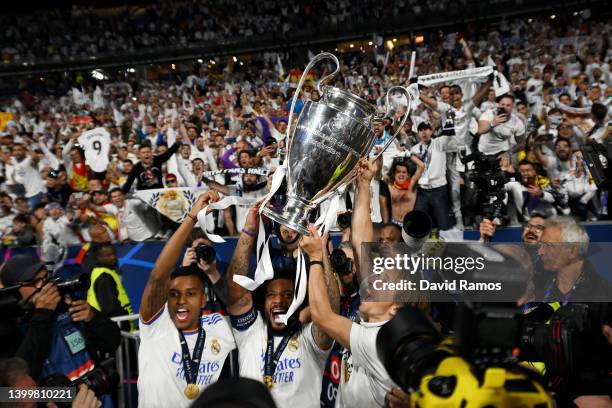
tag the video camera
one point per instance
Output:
(487, 180)
(479, 364)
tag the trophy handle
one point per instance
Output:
(388, 108)
(313, 62)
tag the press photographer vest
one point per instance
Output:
(122, 296)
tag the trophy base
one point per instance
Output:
(293, 215)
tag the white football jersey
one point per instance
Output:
(161, 382)
(96, 144)
(298, 375)
(364, 381)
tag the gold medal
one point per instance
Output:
(268, 381)
(293, 344)
(215, 346)
(191, 391)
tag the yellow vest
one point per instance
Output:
(122, 296)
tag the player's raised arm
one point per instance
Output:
(156, 292)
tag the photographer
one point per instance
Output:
(497, 128)
(203, 255)
(63, 336)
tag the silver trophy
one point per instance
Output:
(330, 137)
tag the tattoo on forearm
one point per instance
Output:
(332, 288)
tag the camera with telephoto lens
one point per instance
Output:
(344, 220)
(102, 380)
(78, 283)
(206, 253)
(342, 264)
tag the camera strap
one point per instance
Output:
(191, 365)
(272, 356)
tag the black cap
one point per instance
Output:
(21, 268)
(424, 125)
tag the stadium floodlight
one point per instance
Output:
(97, 74)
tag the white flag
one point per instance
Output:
(279, 66)
(78, 97)
(98, 98)
(96, 143)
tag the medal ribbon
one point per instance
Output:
(272, 357)
(191, 366)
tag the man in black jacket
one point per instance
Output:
(62, 337)
(148, 172)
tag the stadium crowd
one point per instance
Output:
(56, 35)
(189, 132)
(167, 134)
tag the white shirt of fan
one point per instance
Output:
(161, 382)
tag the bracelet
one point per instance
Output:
(316, 263)
(192, 217)
(249, 233)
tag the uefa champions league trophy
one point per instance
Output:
(330, 137)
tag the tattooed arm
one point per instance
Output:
(240, 299)
(156, 292)
(324, 296)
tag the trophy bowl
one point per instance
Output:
(328, 140)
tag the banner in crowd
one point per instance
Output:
(96, 144)
(173, 203)
(260, 171)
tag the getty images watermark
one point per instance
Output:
(416, 263)
(479, 272)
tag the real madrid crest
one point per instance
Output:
(293, 344)
(215, 346)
